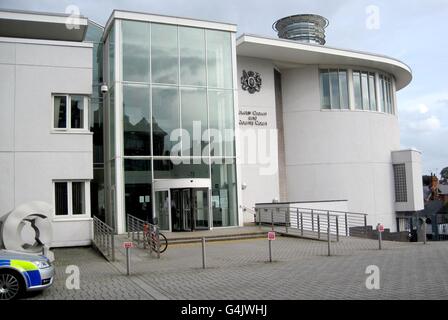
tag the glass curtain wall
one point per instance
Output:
(177, 100)
(96, 123)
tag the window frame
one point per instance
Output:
(70, 214)
(68, 127)
(387, 93)
(329, 71)
(375, 77)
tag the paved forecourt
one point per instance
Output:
(240, 269)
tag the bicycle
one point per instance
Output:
(147, 233)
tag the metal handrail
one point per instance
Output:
(103, 238)
(139, 230)
(314, 222)
(251, 210)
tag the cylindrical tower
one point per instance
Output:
(309, 28)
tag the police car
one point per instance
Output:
(21, 272)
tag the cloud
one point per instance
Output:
(422, 108)
(426, 125)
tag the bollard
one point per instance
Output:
(271, 237)
(346, 224)
(128, 261)
(318, 226)
(270, 250)
(380, 229)
(312, 220)
(424, 232)
(337, 228)
(301, 224)
(203, 253)
(380, 240)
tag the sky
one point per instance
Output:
(413, 31)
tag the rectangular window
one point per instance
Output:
(401, 194)
(135, 51)
(166, 169)
(325, 89)
(222, 120)
(136, 120)
(382, 94)
(61, 197)
(343, 86)
(219, 59)
(224, 194)
(70, 112)
(357, 89)
(334, 85)
(60, 111)
(165, 118)
(334, 89)
(138, 188)
(386, 94)
(70, 198)
(78, 198)
(365, 91)
(194, 120)
(192, 56)
(372, 91)
(77, 112)
(389, 96)
(164, 54)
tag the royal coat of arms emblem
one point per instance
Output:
(251, 81)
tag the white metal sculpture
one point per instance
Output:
(27, 228)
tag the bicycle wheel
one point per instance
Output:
(163, 242)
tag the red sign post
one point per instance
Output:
(380, 229)
(271, 237)
(128, 245)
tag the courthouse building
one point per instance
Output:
(184, 123)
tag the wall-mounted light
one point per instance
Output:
(243, 186)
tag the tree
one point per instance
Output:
(444, 174)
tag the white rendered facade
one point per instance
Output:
(34, 155)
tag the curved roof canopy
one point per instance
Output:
(292, 53)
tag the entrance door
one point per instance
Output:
(162, 205)
(200, 208)
(189, 209)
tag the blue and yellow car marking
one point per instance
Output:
(28, 269)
